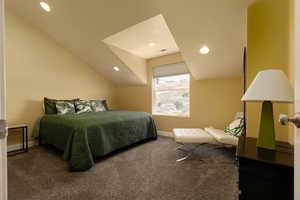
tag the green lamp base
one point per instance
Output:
(266, 138)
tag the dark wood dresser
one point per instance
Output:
(265, 174)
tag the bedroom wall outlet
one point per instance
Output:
(3, 129)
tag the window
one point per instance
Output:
(171, 95)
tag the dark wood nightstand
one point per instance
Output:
(265, 174)
(22, 129)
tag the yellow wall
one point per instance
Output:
(38, 67)
(269, 47)
(212, 102)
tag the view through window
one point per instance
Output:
(171, 95)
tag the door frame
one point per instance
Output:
(3, 142)
(297, 94)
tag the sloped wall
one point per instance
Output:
(37, 67)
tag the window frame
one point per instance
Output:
(153, 98)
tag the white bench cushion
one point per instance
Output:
(192, 135)
(222, 137)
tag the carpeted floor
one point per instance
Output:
(145, 172)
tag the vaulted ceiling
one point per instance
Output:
(146, 39)
(81, 26)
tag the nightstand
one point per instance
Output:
(23, 130)
(265, 174)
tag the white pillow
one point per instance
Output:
(235, 123)
(235, 128)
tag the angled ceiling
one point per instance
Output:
(136, 39)
(81, 27)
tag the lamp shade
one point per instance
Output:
(270, 85)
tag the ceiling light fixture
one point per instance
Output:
(204, 50)
(151, 44)
(163, 50)
(116, 68)
(45, 6)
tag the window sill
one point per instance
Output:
(174, 116)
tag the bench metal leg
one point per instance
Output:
(184, 158)
(190, 152)
(180, 147)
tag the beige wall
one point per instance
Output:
(38, 67)
(269, 47)
(212, 102)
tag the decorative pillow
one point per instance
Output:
(64, 107)
(83, 106)
(98, 105)
(235, 128)
(105, 104)
(50, 105)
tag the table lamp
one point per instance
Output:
(267, 87)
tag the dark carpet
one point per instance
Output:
(144, 172)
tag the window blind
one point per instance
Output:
(170, 70)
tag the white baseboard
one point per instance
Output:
(15, 147)
(165, 133)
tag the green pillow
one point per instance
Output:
(83, 106)
(50, 105)
(235, 128)
(98, 105)
(65, 107)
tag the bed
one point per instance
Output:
(84, 137)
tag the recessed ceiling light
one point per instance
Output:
(151, 44)
(116, 68)
(45, 6)
(204, 50)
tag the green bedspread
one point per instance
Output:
(86, 136)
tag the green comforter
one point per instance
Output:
(86, 136)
